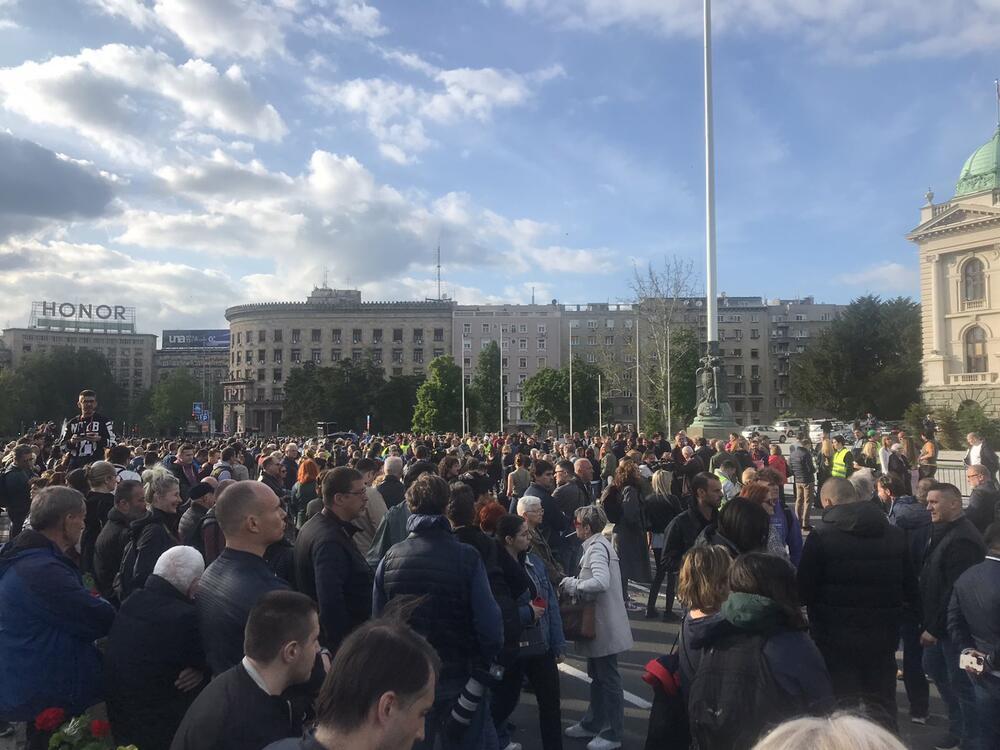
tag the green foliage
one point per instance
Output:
(47, 385)
(546, 396)
(395, 404)
(439, 398)
(171, 400)
(683, 397)
(345, 393)
(948, 435)
(867, 361)
(970, 417)
(485, 388)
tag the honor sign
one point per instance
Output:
(82, 316)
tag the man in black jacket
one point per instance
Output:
(702, 509)
(984, 497)
(154, 663)
(328, 565)
(184, 469)
(391, 486)
(800, 463)
(86, 436)
(251, 517)
(955, 546)
(130, 505)
(856, 577)
(15, 491)
(981, 453)
(245, 707)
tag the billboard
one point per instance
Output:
(196, 339)
(72, 316)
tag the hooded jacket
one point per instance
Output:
(109, 550)
(855, 578)
(915, 521)
(48, 625)
(954, 548)
(149, 536)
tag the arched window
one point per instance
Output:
(973, 281)
(975, 350)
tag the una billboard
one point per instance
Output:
(196, 339)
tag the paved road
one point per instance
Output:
(652, 638)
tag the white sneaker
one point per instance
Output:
(513, 746)
(600, 743)
(578, 732)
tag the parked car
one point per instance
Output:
(790, 428)
(764, 430)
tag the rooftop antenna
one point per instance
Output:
(439, 269)
(532, 295)
(326, 275)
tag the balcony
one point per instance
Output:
(973, 378)
(973, 304)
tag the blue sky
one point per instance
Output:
(184, 155)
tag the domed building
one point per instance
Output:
(959, 250)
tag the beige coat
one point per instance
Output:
(600, 580)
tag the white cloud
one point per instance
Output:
(397, 114)
(886, 276)
(108, 95)
(856, 30)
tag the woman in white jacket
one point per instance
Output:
(599, 580)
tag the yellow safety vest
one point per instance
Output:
(839, 466)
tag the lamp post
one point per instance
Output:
(571, 382)
(462, 353)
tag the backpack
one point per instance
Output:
(611, 501)
(733, 698)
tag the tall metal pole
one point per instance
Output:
(571, 383)
(711, 303)
(670, 429)
(463, 387)
(600, 408)
(500, 376)
(638, 422)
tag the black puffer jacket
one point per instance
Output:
(154, 638)
(108, 551)
(800, 463)
(983, 503)
(149, 537)
(681, 534)
(855, 577)
(954, 548)
(227, 592)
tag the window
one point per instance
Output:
(356, 355)
(335, 355)
(439, 334)
(418, 335)
(755, 333)
(467, 345)
(276, 356)
(522, 362)
(541, 362)
(755, 388)
(377, 356)
(591, 358)
(260, 375)
(336, 335)
(239, 358)
(277, 394)
(504, 363)
(574, 340)
(541, 345)
(438, 353)
(397, 335)
(975, 350)
(261, 354)
(628, 324)
(315, 335)
(738, 389)
(522, 328)
(468, 362)
(800, 316)
(239, 338)
(296, 356)
(973, 285)
(483, 343)
(739, 334)
(466, 328)
(261, 335)
(315, 356)
(754, 371)
(296, 335)
(521, 377)
(609, 340)
(541, 328)
(592, 324)
(755, 404)
(754, 354)
(738, 371)
(418, 356)
(277, 335)
(397, 356)
(355, 335)
(486, 328)
(522, 345)
(376, 335)
(591, 340)
(276, 375)
(738, 405)
(609, 324)
(737, 352)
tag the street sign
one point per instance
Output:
(205, 416)
(196, 409)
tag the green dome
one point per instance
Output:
(982, 169)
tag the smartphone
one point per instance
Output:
(973, 661)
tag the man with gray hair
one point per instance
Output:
(980, 453)
(983, 498)
(48, 619)
(864, 484)
(856, 580)
(154, 659)
(391, 486)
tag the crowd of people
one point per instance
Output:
(389, 590)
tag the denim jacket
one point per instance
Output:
(551, 622)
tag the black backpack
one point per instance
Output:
(733, 698)
(611, 501)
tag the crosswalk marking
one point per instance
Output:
(632, 698)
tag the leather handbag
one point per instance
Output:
(578, 619)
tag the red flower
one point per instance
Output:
(50, 719)
(100, 728)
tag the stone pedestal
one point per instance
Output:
(714, 427)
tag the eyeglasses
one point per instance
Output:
(359, 492)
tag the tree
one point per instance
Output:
(396, 402)
(867, 361)
(546, 396)
(683, 398)
(485, 388)
(439, 398)
(171, 401)
(345, 393)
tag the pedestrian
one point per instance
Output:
(540, 629)
(185, 470)
(251, 518)
(785, 530)
(899, 465)
(530, 509)
(803, 470)
(927, 460)
(974, 627)
(290, 463)
(731, 701)
(984, 498)
(554, 523)
(377, 694)
(15, 487)
(660, 508)
(244, 707)
(599, 580)
(955, 546)
(48, 620)
(457, 613)
(102, 480)
(202, 499)
(109, 548)
(742, 526)
(777, 462)
(154, 662)
(151, 535)
(980, 453)
(303, 491)
(856, 580)
(86, 437)
(391, 486)
(329, 567)
(630, 532)
(374, 508)
(841, 460)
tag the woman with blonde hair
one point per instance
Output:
(660, 509)
(841, 731)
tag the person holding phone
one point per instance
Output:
(86, 436)
(974, 626)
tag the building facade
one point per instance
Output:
(267, 340)
(958, 244)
